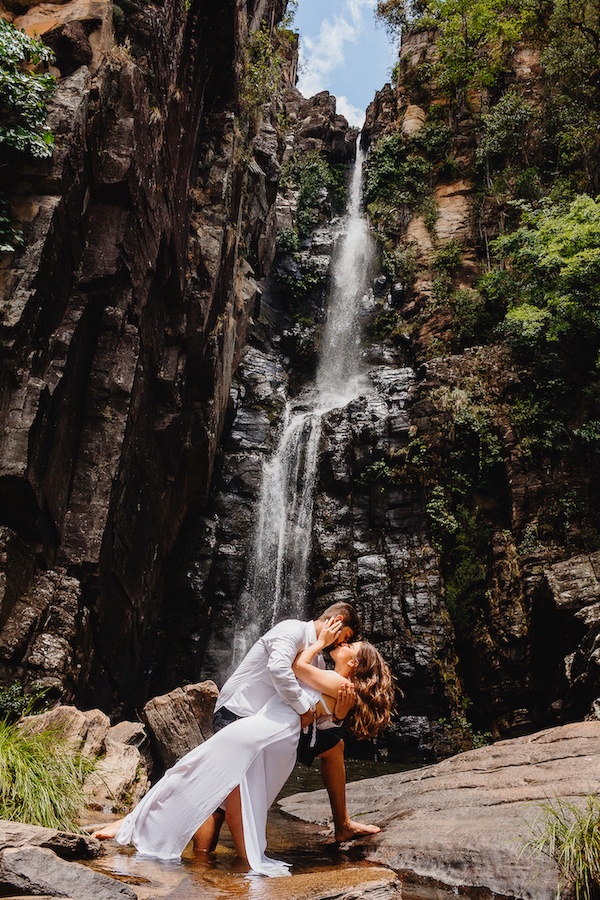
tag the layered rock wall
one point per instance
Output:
(122, 321)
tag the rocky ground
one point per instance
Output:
(457, 828)
(466, 821)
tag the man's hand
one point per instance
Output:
(346, 699)
(307, 718)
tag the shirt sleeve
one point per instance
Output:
(283, 648)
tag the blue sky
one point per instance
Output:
(343, 50)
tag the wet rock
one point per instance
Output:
(63, 843)
(385, 889)
(181, 720)
(38, 871)
(465, 821)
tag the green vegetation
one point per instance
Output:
(262, 70)
(41, 778)
(321, 193)
(570, 835)
(399, 172)
(321, 189)
(555, 269)
(24, 94)
(474, 37)
(15, 702)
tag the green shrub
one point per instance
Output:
(287, 241)
(262, 70)
(554, 283)
(378, 472)
(321, 189)
(505, 130)
(442, 521)
(23, 92)
(570, 835)
(24, 95)
(395, 175)
(474, 40)
(41, 778)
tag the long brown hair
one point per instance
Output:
(374, 685)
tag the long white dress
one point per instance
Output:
(257, 753)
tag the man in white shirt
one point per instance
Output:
(266, 670)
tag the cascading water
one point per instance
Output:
(277, 587)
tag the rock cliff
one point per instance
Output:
(124, 316)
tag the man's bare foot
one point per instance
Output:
(352, 830)
(108, 832)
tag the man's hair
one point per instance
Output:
(348, 614)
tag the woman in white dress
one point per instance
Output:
(244, 766)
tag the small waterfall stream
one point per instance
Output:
(277, 585)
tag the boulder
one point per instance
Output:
(119, 780)
(466, 821)
(36, 871)
(181, 720)
(63, 843)
(135, 735)
(83, 731)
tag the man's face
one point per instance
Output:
(346, 636)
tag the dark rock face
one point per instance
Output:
(370, 540)
(121, 325)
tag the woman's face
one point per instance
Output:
(345, 653)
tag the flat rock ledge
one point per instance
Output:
(33, 861)
(465, 822)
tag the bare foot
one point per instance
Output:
(352, 830)
(108, 832)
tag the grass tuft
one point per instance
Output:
(41, 778)
(570, 835)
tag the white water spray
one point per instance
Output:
(278, 585)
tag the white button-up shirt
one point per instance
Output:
(266, 670)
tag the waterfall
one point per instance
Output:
(277, 586)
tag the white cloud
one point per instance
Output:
(354, 114)
(320, 56)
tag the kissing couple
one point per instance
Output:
(280, 702)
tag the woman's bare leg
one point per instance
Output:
(108, 832)
(233, 817)
(205, 839)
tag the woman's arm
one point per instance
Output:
(326, 682)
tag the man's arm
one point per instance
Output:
(283, 648)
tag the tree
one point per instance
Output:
(474, 39)
(554, 262)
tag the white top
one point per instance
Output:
(266, 671)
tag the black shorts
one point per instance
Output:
(326, 739)
(223, 717)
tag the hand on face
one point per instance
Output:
(331, 631)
